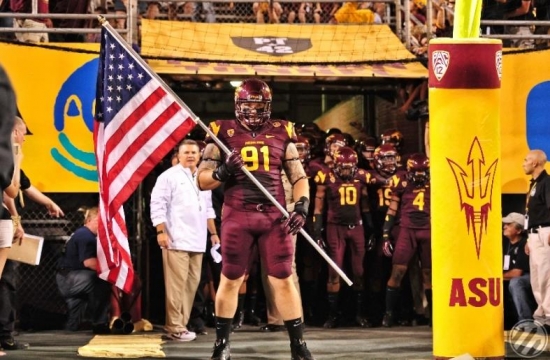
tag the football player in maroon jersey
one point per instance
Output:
(412, 199)
(381, 180)
(344, 191)
(264, 147)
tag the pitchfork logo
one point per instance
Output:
(475, 181)
(440, 62)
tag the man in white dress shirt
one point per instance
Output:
(182, 214)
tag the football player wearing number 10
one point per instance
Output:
(264, 147)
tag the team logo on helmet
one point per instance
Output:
(275, 46)
(345, 163)
(276, 124)
(440, 62)
(418, 170)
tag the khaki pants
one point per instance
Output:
(539, 266)
(182, 273)
(28, 36)
(273, 315)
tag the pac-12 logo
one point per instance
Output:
(74, 121)
(440, 63)
(277, 46)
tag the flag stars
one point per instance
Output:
(119, 88)
(111, 67)
(121, 56)
(110, 77)
(109, 109)
(118, 99)
(119, 77)
(130, 76)
(112, 46)
(111, 56)
(121, 67)
(101, 99)
(140, 76)
(109, 88)
(128, 87)
(131, 66)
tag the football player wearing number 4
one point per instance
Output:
(264, 147)
(412, 199)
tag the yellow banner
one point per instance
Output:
(55, 95)
(271, 43)
(525, 107)
(409, 70)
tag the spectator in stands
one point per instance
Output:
(379, 9)
(328, 10)
(418, 12)
(120, 10)
(25, 6)
(94, 24)
(263, 9)
(517, 283)
(205, 7)
(542, 12)
(72, 7)
(310, 13)
(77, 279)
(8, 281)
(353, 13)
(521, 11)
(444, 18)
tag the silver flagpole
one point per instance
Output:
(222, 146)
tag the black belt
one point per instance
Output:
(258, 207)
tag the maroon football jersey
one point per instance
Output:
(263, 151)
(414, 208)
(342, 197)
(380, 189)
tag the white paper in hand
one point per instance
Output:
(215, 254)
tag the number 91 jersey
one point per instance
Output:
(263, 151)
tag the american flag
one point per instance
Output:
(137, 123)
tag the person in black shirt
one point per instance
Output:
(517, 285)
(77, 280)
(537, 223)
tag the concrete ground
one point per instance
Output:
(251, 344)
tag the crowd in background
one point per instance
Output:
(361, 12)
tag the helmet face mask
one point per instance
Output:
(304, 149)
(253, 103)
(385, 159)
(345, 163)
(418, 169)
